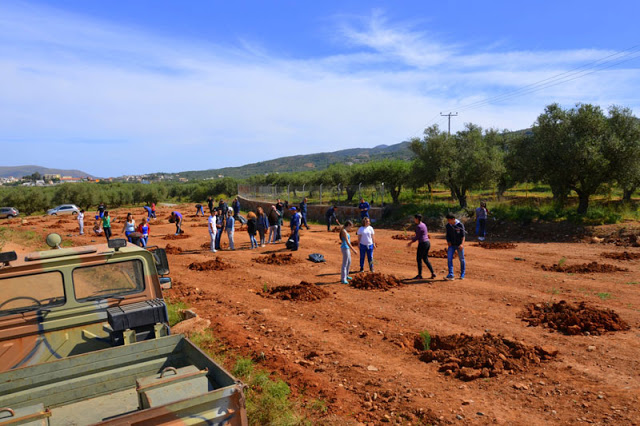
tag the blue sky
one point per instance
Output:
(115, 87)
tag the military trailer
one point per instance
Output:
(84, 339)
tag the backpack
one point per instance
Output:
(316, 258)
(290, 244)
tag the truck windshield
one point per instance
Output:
(31, 292)
(108, 280)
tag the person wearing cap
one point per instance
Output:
(295, 228)
(331, 215)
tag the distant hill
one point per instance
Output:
(19, 171)
(302, 163)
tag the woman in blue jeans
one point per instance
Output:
(346, 248)
(366, 242)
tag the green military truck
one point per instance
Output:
(84, 339)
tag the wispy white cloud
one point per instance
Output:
(70, 83)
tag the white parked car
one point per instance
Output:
(64, 209)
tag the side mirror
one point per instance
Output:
(160, 257)
(165, 283)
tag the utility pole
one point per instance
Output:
(451, 114)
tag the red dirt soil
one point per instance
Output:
(441, 254)
(277, 259)
(403, 237)
(585, 268)
(303, 292)
(468, 358)
(573, 320)
(625, 255)
(172, 249)
(216, 264)
(374, 281)
(176, 237)
(349, 350)
(496, 246)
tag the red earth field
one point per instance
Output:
(499, 352)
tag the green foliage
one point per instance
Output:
(581, 149)
(604, 296)
(426, 339)
(464, 161)
(244, 367)
(562, 261)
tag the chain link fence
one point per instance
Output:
(317, 194)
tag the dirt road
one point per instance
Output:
(355, 348)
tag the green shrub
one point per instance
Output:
(426, 339)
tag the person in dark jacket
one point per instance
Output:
(455, 241)
(280, 208)
(252, 228)
(210, 204)
(236, 208)
(274, 219)
(422, 237)
(331, 215)
(303, 213)
(263, 225)
(219, 227)
(223, 207)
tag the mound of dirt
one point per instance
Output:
(54, 226)
(176, 237)
(572, 319)
(303, 292)
(441, 254)
(405, 237)
(469, 358)
(169, 249)
(215, 264)
(374, 281)
(202, 225)
(585, 268)
(496, 246)
(277, 259)
(625, 255)
(336, 229)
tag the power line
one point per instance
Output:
(573, 74)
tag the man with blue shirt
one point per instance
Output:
(364, 208)
(176, 217)
(295, 228)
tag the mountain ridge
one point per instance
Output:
(26, 170)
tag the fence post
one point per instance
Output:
(320, 193)
(382, 200)
(288, 195)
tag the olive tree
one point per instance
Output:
(464, 161)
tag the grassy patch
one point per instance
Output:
(174, 307)
(604, 296)
(24, 237)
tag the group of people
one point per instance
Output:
(138, 235)
(455, 237)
